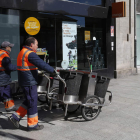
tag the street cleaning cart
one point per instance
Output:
(80, 88)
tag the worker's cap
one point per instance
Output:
(6, 44)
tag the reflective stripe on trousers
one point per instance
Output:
(9, 103)
(29, 107)
(32, 120)
(5, 95)
(21, 112)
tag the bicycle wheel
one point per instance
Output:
(90, 113)
(42, 98)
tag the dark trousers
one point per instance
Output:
(5, 96)
(29, 107)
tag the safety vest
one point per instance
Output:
(2, 55)
(22, 61)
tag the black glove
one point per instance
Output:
(54, 74)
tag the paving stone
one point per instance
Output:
(119, 121)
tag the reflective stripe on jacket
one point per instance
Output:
(22, 61)
(27, 72)
(2, 55)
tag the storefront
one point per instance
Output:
(89, 23)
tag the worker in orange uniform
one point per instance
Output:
(5, 76)
(27, 63)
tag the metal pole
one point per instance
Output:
(66, 110)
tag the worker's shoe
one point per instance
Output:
(12, 109)
(39, 127)
(14, 121)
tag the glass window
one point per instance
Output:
(9, 31)
(89, 2)
(90, 41)
(46, 35)
(78, 36)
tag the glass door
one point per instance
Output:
(46, 35)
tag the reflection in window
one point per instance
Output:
(90, 41)
(89, 2)
(80, 21)
(9, 31)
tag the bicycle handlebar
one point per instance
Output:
(62, 80)
(59, 77)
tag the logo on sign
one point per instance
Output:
(32, 26)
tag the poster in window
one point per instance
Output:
(112, 31)
(69, 39)
(87, 36)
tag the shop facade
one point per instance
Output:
(93, 32)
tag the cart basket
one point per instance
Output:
(101, 86)
(73, 82)
(43, 81)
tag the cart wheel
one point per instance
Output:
(90, 113)
(71, 108)
(42, 98)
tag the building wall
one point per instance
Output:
(124, 47)
(138, 31)
(138, 38)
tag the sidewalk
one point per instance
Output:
(119, 121)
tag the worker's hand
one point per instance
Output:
(41, 72)
(54, 74)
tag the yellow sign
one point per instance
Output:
(87, 36)
(32, 26)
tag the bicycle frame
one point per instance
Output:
(48, 89)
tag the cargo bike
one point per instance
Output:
(86, 90)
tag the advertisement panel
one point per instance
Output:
(69, 39)
(87, 36)
(112, 31)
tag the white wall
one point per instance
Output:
(124, 48)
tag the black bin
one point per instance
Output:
(101, 86)
(73, 82)
(43, 81)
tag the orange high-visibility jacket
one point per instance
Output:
(22, 61)
(2, 55)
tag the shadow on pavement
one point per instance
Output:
(21, 127)
(6, 124)
(58, 114)
(45, 116)
(13, 136)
